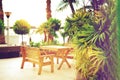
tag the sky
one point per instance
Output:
(33, 11)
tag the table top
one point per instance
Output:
(55, 47)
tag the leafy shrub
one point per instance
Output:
(21, 27)
(2, 27)
(33, 44)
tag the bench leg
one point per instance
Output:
(22, 65)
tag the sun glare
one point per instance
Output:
(34, 11)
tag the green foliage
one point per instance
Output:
(52, 25)
(89, 61)
(63, 4)
(81, 22)
(2, 27)
(118, 35)
(21, 27)
(38, 44)
(33, 44)
(95, 39)
(54, 42)
(43, 27)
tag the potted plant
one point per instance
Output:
(21, 27)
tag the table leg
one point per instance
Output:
(64, 60)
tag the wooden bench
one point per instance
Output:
(35, 56)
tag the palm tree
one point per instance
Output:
(71, 5)
(48, 9)
(65, 3)
(1, 10)
(49, 29)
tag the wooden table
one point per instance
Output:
(60, 52)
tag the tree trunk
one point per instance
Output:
(48, 9)
(1, 10)
(71, 6)
(45, 36)
(22, 40)
(50, 38)
(2, 37)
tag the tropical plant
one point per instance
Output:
(21, 27)
(107, 38)
(118, 33)
(94, 35)
(2, 27)
(35, 44)
(49, 28)
(65, 3)
(118, 24)
(48, 9)
(79, 22)
(63, 34)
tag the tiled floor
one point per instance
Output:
(10, 70)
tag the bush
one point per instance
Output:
(2, 27)
(35, 44)
(21, 27)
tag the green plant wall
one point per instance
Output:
(118, 21)
(118, 34)
(97, 56)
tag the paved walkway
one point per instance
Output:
(10, 70)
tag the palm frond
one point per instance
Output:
(62, 6)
